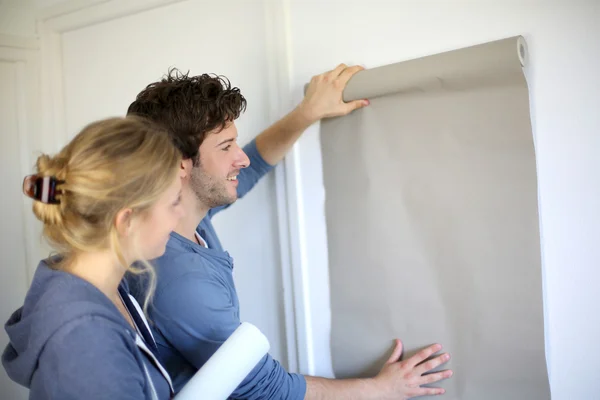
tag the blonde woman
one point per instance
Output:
(110, 198)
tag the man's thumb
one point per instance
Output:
(356, 104)
(397, 353)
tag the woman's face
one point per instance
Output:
(159, 221)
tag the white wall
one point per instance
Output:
(564, 81)
(17, 17)
(17, 22)
(127, 56)
(14, 279)
(564, 45)
(100, 69)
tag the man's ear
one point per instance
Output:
(186, 168)
(123, 222)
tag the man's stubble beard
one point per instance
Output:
(209, 192)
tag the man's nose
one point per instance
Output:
(242, 160)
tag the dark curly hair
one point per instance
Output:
(189, 107)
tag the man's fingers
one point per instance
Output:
(422, 355)
(323, 96)
(428, 392)
(431, 364)
(335, 73)
(434, 377)
(348, 73)
(396, 353)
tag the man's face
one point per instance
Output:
(214, 177)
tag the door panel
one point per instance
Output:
(13, 270)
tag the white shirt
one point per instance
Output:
(141, 344)
(201, 240)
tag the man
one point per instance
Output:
(195, 306)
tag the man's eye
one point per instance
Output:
(226, 148)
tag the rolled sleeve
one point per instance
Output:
(269, 380)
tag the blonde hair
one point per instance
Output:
(110, 165)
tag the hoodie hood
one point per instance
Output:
(54, 299)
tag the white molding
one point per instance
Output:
(278, 83)
(19, 42)
(291, 230)
(66, 7)
(13, 54)
(81, 13)
(24, 131)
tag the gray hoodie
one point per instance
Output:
(69, 341)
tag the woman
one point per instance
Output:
(108, 199)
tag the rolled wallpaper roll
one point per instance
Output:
(485, 64)
(228, 367)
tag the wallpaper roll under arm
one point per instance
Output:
(432, 221)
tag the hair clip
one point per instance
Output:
(42, 188)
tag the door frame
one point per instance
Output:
(23, 53)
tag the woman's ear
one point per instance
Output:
(123, 222)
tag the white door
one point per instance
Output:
(15, 238)
(106, 64)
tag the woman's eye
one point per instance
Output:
(226, 148)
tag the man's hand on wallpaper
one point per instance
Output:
(403, 379)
